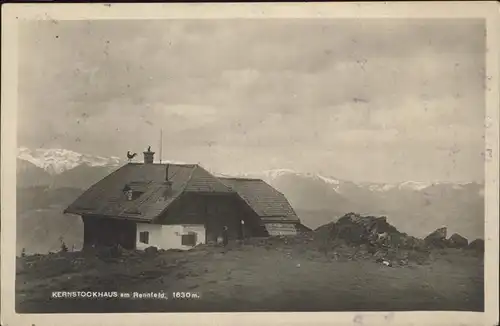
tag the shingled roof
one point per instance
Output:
(107, 198)
(270, 204)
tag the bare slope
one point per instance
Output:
(270, 275)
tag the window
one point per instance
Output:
(144, 237)
(136, 194)
(132, 193)
(189, 239)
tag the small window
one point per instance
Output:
(144, 237)
(133, 195)
(189, 239)
(136, 194)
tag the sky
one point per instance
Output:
(370, 100)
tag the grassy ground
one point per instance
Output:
(250, 277)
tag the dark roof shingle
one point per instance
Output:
(267, 202)
(106, 197)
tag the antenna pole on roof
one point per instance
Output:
(161, 144)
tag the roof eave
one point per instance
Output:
(279, 219)
(119, 217)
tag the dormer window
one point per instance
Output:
(135, 195)
(131, 193)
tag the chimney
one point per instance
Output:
(149, 156)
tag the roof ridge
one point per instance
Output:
(180, 164)
(184, 186)
(243, 179)
(165, 163)
(217, 179)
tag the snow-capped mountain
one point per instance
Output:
(340, 185)
(56, 161)
(414, 207)
(270, 175)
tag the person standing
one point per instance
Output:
(225, 239)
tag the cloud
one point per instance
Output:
(266, 91)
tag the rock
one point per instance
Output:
(412, 243)
(151, 250)
(437, 239)
(356, 229)
(379, 255)
(376, 239)
(457, 241)
(477, 244)
(403, 262)
(438, 234)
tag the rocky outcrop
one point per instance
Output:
(477, 245)
(410, 242)
(457, 241)
(368, 230)
(375, 236)
(437, 239)
(356, 229)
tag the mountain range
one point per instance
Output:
(56, 160)
(48, 177)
